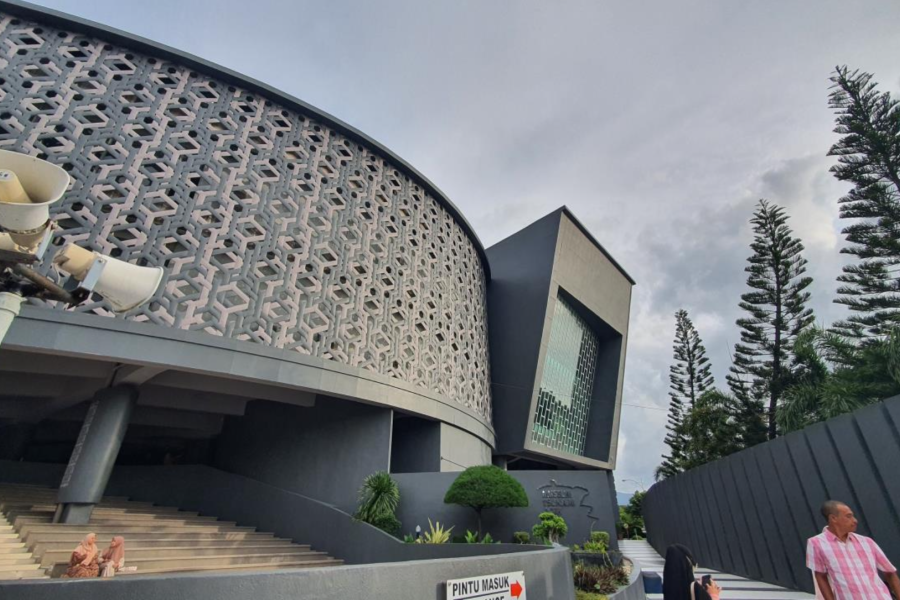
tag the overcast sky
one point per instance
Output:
(660, 124)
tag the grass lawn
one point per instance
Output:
(579, 595)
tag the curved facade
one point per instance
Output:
(275, 225)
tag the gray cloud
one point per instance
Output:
(660, 125)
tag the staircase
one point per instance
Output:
(157, 539)
(16, 562)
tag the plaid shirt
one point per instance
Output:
(852, 566)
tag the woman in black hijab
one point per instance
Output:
(678, 576)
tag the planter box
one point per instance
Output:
(592, 558)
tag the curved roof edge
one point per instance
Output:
(27, 10)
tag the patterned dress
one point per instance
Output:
(77, 570)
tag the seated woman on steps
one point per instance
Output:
(84, 560)
(113, 558)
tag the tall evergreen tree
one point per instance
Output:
(749, 410)
(711, 429)
(689, 378)
(869, 158)
(777, 312)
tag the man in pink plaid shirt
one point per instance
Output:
(845, 564)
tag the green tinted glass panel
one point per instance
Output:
(564, 399)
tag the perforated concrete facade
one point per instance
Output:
(273, 226)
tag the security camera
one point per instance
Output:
(123, 285)
(28, 186)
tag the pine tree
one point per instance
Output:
(777, 314)
(748, 409)
(689, 378)
(869, 158)
(711, 429)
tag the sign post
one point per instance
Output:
(501, 586)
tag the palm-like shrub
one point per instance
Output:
(436, 534)
(486, 487)
(378, 500)
(837, 375)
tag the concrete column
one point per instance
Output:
(91, 464)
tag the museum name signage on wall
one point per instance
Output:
(554, 500)
(556, 497)
(501, 586)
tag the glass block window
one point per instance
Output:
(564, 399)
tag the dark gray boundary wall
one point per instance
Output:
(752, 512)
(585, 499)
(548, 575)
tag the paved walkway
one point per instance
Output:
(733, 587)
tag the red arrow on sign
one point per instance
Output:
(515, 589)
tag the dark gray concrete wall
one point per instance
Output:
(583, 498)
(548, 575)
(752, 512)
(323, 452)
(415, 445)
(517, 304)
(32, 473)
(602, 427)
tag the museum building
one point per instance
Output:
(326, 312)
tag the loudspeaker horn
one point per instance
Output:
(124, 285)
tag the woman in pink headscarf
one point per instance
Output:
(113, 558)
(84, 560)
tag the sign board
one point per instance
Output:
(501, 586)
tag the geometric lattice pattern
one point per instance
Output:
(272, 228)
(567, 383)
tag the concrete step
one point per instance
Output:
(130, 521)
(198, 563)
(16, 559)
(41, 509)
(74, 537)
(142, 543)
(50, 557)
(331, 562)
(49, 504)
(102, 530)
(13, 575)
(33, 566)
(11, 547)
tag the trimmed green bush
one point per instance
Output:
(598, 544)
(522, 537)
(387, 523)
(551, 528)
(486, 487)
